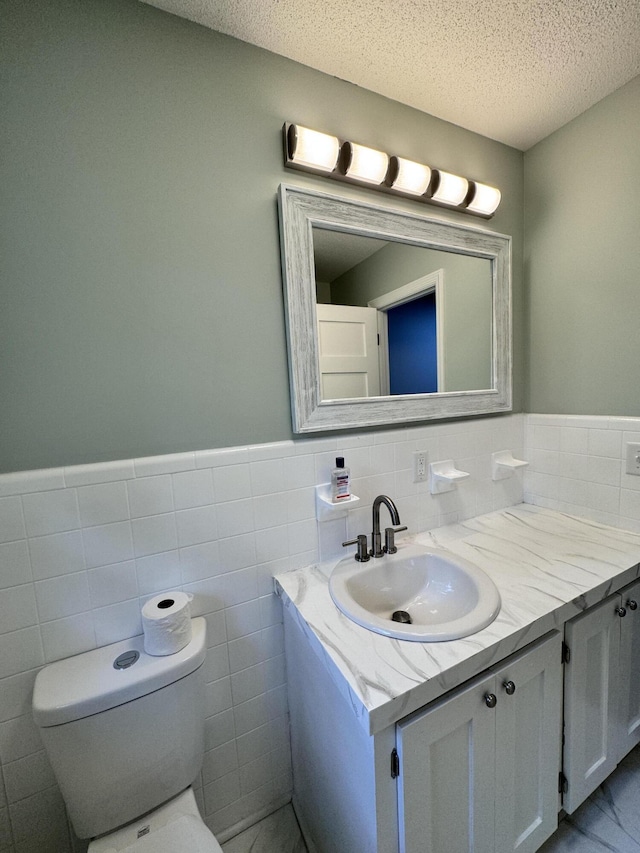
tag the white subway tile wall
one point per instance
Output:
(82, 548)
(577, 465)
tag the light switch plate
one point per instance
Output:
(633, 458)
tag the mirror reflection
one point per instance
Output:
(398, 319)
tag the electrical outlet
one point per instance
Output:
(633, 458)
(420, 466)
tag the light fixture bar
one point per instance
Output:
(410, 177)
(313, 151)
(451, 189)
(365, 164)
(485, 199)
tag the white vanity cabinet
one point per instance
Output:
(478, 770)
(394, 747)
(602, 692)
(468, 777)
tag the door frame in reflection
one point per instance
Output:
(433, 282)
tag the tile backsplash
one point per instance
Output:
(577, 465)
(83, 547)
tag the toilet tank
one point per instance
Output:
(124, 730)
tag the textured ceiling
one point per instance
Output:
(512, 70)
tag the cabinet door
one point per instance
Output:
(528, 747)
(446, 795)
(630, 669)
(591, 700)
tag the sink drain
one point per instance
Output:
(401, 616)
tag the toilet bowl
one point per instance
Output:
(173, 828)
(124, 732)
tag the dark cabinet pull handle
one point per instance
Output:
(621, 611)
(632, 605)
(509, 687)
(490, 700)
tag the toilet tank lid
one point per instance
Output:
(89, 683)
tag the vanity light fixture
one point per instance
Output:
(485, 199)
(364, 164)
(450, 189)
(313, 151)
(410, 177)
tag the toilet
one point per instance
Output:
(124, 732)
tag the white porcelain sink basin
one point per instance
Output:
(445, 597)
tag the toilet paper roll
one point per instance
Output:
(166, 622)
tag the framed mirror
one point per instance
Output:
(391, 317)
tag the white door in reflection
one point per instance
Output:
(348, 352)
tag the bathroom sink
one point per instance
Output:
(444, 597)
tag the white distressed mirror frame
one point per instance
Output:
(301, 209)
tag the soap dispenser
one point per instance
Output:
(340, 486)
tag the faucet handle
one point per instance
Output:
(362, 554)
(389, 538)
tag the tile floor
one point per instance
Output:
(608, 822)
(278, 833)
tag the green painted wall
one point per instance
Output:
(582, 266)
(141, 290)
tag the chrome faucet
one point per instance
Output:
(376, 539)
(376, 543)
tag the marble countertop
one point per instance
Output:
(548, 567)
